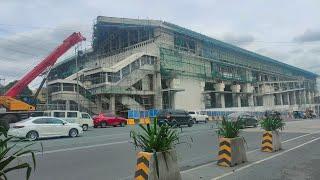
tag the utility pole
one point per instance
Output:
(77, 75)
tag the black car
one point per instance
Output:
(247, 120)
(174, 118)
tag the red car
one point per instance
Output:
(103, 120)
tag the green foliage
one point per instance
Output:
(155, 138)
(272, 124)
(9, 154)
(229, 129)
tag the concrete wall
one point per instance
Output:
(191, 98)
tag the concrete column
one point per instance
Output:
(312, 97)
(67, 105)
(298, 97)
(157, 87)
(146, 83)
(304, 97)
(99, 103)
(250, 100)
(255, 101)
(112, 106)
(220, 102)
(279, 99)
(223, 102)
(236, 101)
(288, 98)
(308, 97)
(268, 100)
(294, 100)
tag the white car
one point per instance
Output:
(40, 127)
(197, 116)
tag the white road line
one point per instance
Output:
(80, 148)
(265, 159)
(208, 164)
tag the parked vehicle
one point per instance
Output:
(273, 114)
(310, 114)
(40, 127)
(104, 120)
(82, 118)
(299, 115)
(248, 120)
(174, 118)
(198, 116)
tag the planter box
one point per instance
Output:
(231, 151)
(167, 163)
(271, 141)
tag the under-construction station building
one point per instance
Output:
(137, 64)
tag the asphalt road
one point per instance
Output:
(107, 153)
(300, 163)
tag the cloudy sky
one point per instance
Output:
(287, 30)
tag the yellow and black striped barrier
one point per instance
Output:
(144, 120)
(267, 142)
(142, 167)
(224, 158)
(130, 122)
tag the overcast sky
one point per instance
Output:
(286, 30)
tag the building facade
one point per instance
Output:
(145, 64)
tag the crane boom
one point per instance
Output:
(10, 102)
(44, 64)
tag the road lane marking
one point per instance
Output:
(265, 159)
(78, 148)
(210, 163)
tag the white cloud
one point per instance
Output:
(308, 36)
(256, 25)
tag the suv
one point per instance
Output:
(247, 120)
(174, 118)
(81, 118)
(197, 116)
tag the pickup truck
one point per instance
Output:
(197, 116)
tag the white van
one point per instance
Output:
(82, 118)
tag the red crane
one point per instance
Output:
(9, 101)
(44, 64)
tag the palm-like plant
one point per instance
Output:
(229, 129)
(155, 138)
(10, 153)
(272, 124)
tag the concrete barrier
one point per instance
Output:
(231, 152)
(146, 168)
(130, 122)
(271, 141)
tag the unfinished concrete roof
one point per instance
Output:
(196, 35)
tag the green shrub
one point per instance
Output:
(155, 138)
(11, 154)
(229, 129)
(272, 124)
